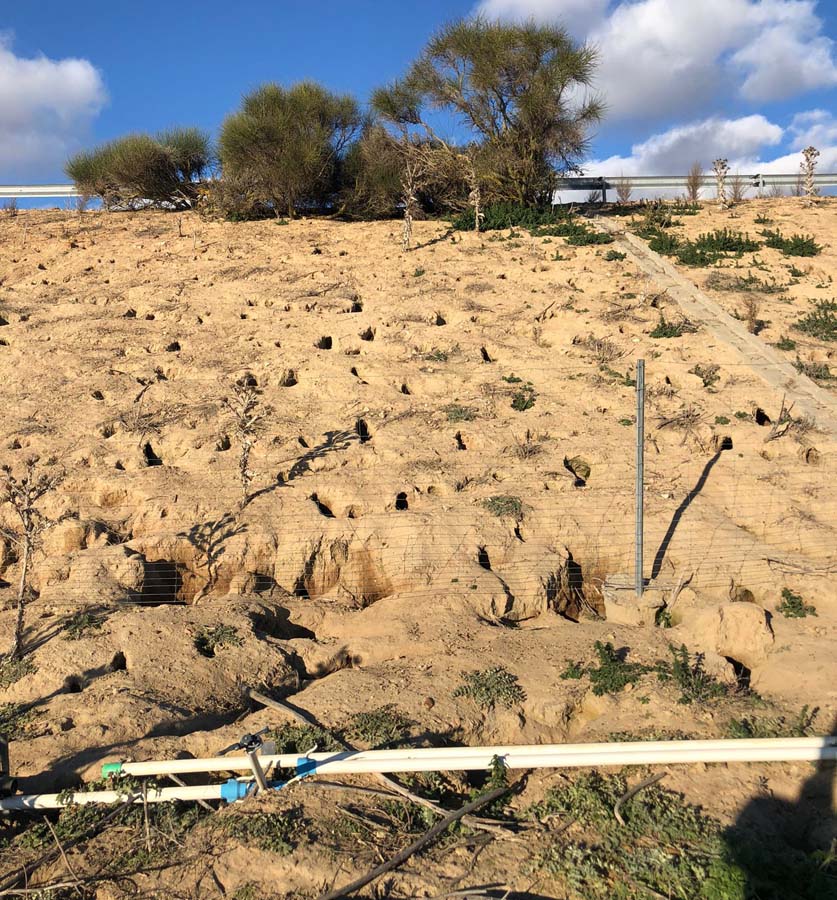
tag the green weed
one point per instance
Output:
(12, 670)
(665, 329)
(795, 245)
(457, 413)
(209, 640)
(274, 832)
(81, 624)
(524, 398)
(382, 726)
(785, 343)
(491, 687)
(802, 725)
(504, 505)
(612, 673)
(821, 321)
(792, 606)
(614, 256)
(696, 685)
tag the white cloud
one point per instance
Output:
(661, 58)
(45, 108)
(578, 16)
(672, 152)
(817, 128)
(745, 142)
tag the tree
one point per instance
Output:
(517, 89)
(289, 144)
(24, 494)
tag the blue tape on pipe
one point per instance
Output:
(233, 790)
(305, 766)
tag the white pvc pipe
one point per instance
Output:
(434, 759)
(153, 795)
(431, 759)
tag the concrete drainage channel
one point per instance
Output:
(764, 361)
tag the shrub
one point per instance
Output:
(796, 245)
(524, 398)
(499, 216)
(491, 687)
(614, 256)
(289, 144)
(820, 322)
(141, 169)
(792, 606)
(457, 413)
(665, 329)
(371, 177)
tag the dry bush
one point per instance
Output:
(751, 315)
(10, 208)
(737, 187)
(808, 169)
(721, 169)
(603, 350)
(694, 183)
(23, 493)
(624, 189)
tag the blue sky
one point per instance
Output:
(753, 80)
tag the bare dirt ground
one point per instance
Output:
(443, 481)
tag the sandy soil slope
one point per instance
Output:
(443, 481)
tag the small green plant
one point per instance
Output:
(792, 606)
(761, 219)
(660, 846)
(512, 379)
(723, 281)
(588, 238)
(209, 640)
(615, 256)
(524, 398)
(573, 672)
(709, 374)
(457, 413)
(741, 414)
(274, 832)
(795, 245)
(504, 505)
(721, 420)
(687, 672)
(726, 241)
(81, 624)
(12, 670)
(491, 687)
(499, 216)
(665, 329)
(821, 321)
(613, 672)
(627, 422)
(802, 725)
(437, 355)
(15, 720)
(294, 738)
(418, 273)
(785, 343)
(795, 272)
(385, 725)
(815, 370)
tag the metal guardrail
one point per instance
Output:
(583, 183)
(33, 191)
(680, 182)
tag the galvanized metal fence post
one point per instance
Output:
(640, 474)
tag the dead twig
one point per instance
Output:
(646, 782)
(428, 837)
(67, 865)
